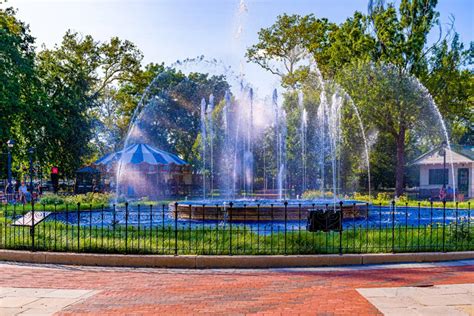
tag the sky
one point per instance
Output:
(171, 30)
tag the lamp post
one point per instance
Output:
(40, 175)
(30, 153)
(10, 144)
(443, 153)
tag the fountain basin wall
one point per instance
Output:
(252, 211)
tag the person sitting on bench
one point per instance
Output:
(23, 192)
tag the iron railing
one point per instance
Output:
(155, 229)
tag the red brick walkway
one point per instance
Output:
(147, 291)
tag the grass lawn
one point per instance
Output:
(57, 236)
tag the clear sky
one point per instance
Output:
(168, 30)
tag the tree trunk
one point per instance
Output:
(400, 169)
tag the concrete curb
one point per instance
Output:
(223, 262)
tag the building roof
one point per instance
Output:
(141, 153)
(458, 154)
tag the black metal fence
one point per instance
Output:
(313, 229)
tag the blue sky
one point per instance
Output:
(167, 30)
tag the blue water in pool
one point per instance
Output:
(379, 217)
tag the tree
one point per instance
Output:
(396, 104)
(401, 36)
(450, 81)
(386, 35)
(284, 47)
(169, 113)
(76, 78)
(19, 83)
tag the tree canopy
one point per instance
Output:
(387, 36)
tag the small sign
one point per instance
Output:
(27, 219)
(54, 170)
(324, 220)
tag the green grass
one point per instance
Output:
(56, 236)
(23, 208)
(424, 203)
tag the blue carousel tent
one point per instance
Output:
(141, 153)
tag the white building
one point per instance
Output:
(431, 171)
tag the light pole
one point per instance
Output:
(30, 152)
(442, 152)
(444, 165)
(10, 144)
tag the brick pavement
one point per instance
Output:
(160, 291)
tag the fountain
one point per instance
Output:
(232, 129)
(303, 131)
(203, 145)
(240, 132)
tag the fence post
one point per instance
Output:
(138, 229)
(126, 227)
(469, 223)
(341, 216)
(67, 227)
(90, 227)
(367, 228)
(431, 225)
(230, 228)
(151, 228)
(393, 226)
(444, 224)
(114, 225)
(406, 226)
(176, 228)
(78, 226)
(286, 223)
(32, 229)
(418, 229)
(456, 228)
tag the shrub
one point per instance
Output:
(316, 194)
(86, 199)
(460, 231)
(89, 198)
(52, 199)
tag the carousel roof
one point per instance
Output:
(141, 153)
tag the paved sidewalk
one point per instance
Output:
(37, 301)
(452, 300)
(312, 291)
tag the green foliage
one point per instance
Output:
(386, 199)
(84, 199)
(48, 99)
(387, 35)
(401, 35)
(283, 47)
(451, 84)
(316, 194)
(52, 199)
(170, 117)
(76, 76)
(19, 83)
(460, 231)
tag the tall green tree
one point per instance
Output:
(19, 83)
(169, 116)
(76, 77)
(450, 80)
(387, 35)
(284, 48)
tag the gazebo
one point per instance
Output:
(144, 171)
